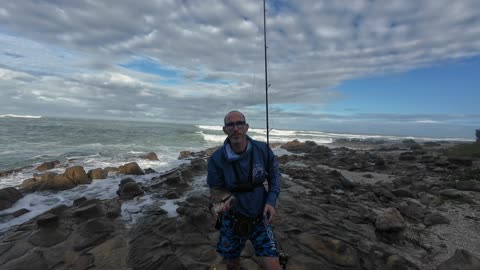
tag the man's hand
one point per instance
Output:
(271, 210)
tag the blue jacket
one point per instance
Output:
(221, 175)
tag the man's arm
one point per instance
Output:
(214, 174)
(274, 183)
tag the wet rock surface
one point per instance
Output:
(361, 207)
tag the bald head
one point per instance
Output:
(225, 119)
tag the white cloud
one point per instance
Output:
(57, 52)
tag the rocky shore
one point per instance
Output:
(353, 205)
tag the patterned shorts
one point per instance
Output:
(230, 246)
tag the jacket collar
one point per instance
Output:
(230, 155)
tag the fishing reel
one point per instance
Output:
(283, 257)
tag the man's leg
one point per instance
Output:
(271, 263)
(234, 264)
(229, 245)
(265, 245)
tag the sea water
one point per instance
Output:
(27, 141)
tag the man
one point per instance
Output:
(241, 166)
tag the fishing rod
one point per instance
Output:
(266, 74)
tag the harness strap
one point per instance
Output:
(250, 170)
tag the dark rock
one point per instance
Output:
(114, 208)
(131, 168)
(86, 261)
(397, 262)
(48, 220)
(88, 211)
(469, 185)
(33, 260)
(8, 197)
(466, 162)
(91, 233)
(457, 195)
(430, 200)
(412, 209)
(79, 201)
(150, 170)
(171, 194)
(129, 189)
(416, 147)
(435, 218)
(461, 260)
(403, 193)
(199, 165)
(20, 212)
(47, 237)
(48, 165)
(390, 220)
(383, 193)
(408, 156)
(409, 142)
(334, 250)
(431, 144)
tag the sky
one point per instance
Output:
(400, 67)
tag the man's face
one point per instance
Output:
(235, 128)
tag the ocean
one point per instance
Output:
(27, 141)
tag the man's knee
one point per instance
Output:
(271, 263)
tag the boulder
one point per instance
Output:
(185, 154)
(435, 218)
(131, 168)
(461, 260)
(431, 144)
(150, 170)
(456, 195)
(151, 156)
(409, 142)
(199, 165)
(48, 165)
(20, 212)
(294, 146)
(97, 173)
(78, 175)
(412, 209)
(72, 177)
(8, 197)
(390, 220)
(129, 189)
(48, 220)
(469, 185)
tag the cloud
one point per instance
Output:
(76, 57)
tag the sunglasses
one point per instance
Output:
(239, 124)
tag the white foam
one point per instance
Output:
(217, 128)
(20, 116)
(171, 207)
(213, 138)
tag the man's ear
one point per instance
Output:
(246, 127)
(225, 131)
